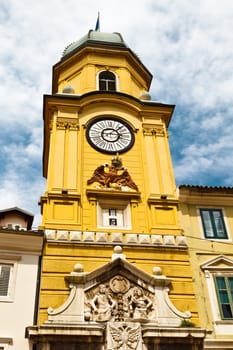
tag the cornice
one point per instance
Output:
(162, 199)
(206, 195)
(27, 242)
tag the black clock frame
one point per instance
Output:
(115, 119)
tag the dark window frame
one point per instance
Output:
(107, 81)
(5, 275)
(216, 232)
(224, 291)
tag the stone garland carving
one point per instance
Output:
(119, 301)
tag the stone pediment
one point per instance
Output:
(220, 262)
(118, 292)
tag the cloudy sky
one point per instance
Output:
(187, 46)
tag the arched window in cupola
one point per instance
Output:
(107, 81)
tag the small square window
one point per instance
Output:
(213, 223)
(224, 289)
(112, 212)
(112, 222)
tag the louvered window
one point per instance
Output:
(5, 273)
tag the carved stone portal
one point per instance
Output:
(118, 292)
(116, 307)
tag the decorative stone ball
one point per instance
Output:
(145, 96)
(78, 268)
(68, 89)
(157, 271)
(117, 249)
(87, 316)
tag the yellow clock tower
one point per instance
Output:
(110, 207)
(106, 144)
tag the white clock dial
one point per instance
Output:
(110, 135)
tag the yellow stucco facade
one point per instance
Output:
(211, 257)
(144, 200)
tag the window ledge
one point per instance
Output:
(227, 240)
(109, 192)
(6, 340)
(224, 322)
(5, 299)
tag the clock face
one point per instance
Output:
(110, 135)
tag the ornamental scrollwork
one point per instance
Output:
(67, 123)
(154, 131)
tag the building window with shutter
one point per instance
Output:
(224, 289)
(6, 281)
(213, 223)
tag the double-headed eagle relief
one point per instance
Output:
(113, 176)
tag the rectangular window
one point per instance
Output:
(224, 288)
(213, 223)
(113, 215)
(5, 271)
(7, 280)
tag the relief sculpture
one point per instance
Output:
(119, 301)
(113, 176)
(102, 305)
(139, 304)
(125, 336)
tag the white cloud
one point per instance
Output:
(188, 47)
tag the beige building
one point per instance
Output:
(20, 255)
(206, 215)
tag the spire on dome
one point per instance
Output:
(97, 26)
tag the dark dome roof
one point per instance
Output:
(96, 37)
